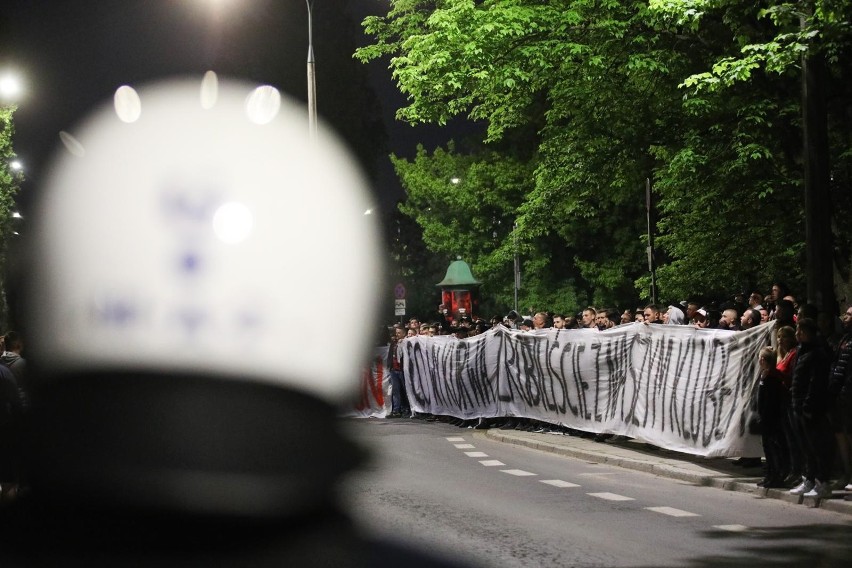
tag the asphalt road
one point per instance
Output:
(456, 493)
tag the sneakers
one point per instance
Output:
(820, 491)
(802, 488)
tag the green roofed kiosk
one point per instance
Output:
(459, 291)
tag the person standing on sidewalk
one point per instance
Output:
(399, 400)
(772, 401)
(11, 414)
(840, 389)
(786, 348)
(809, 402)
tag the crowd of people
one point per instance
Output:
(803, 399)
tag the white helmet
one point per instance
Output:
(209, 235)
(187, 249)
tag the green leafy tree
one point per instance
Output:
(9, 183)
(528, 70)
(584, 100)
(801, 51)
(410, 263)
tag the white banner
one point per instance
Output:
(676, 387)
(375, 399)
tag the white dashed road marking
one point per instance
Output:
(732, 528)
(518, 472)
(558, 483)
(672, 512)
(611, 497)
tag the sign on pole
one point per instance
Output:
(399, 291)
(399, 307)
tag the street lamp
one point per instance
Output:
(517, 263)
(10, 86)
(311, 67)
(312, 78)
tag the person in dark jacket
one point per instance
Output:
(840, 389)
(12, 358)
(809, 402)
(11, 410)
(772, 401)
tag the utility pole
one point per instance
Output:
(517, 269)
(312, 77)
(652, 266)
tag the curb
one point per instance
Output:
(683, 471)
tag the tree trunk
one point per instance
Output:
(819, 241)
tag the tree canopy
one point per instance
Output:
(9, 183)
(582, 102)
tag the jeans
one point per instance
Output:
(399, 398)
(816, 444)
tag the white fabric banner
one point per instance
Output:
(677, 387)
(375, 398)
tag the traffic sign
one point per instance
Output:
(399, 291)
(399, 307)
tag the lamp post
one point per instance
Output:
(10, 87)
(312, 78)
(652, 265)
(517, 266)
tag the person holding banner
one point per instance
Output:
(652, 314)
(589, 318)
(399, 400)
(787, 352)
(673, 316)
(772, 401)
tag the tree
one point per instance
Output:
(601, 96)
(411, 264)
(809, 39)
(9, 183)
(525, 69)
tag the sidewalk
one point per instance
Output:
(631, 454)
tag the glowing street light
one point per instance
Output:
(11, 87)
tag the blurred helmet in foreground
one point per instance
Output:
(207, 235)
(188, 245)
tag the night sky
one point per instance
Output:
(73, 54)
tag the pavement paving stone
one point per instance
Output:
(721, 473)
